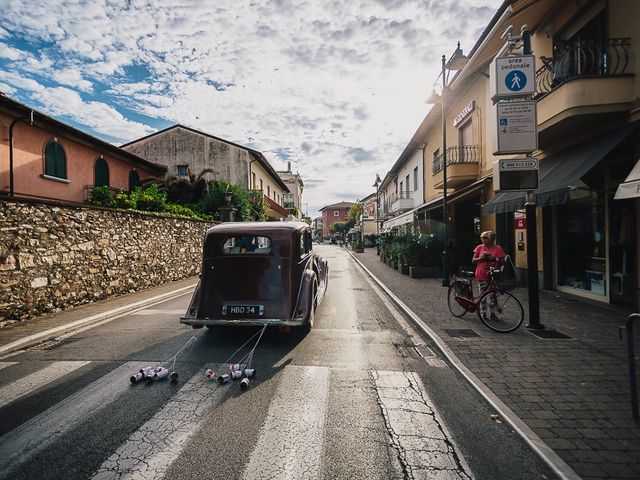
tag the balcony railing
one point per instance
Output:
(400, 195)
(273, 205)
(463, 154)
(584, 60)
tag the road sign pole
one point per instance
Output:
(532, 264)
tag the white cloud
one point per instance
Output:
(73, 78)
(332, 83)
(10, 53)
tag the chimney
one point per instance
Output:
(289, 167)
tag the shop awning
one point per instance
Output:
(399, 220)
(630, 188)
(559, 173)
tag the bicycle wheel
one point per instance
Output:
(457, 289)
(500, 311)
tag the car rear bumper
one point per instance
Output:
(241, 322)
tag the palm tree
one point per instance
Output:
(188, 190)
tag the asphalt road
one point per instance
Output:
(362, 396)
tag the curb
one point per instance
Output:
(546, 453)
(91, 321)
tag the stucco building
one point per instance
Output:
(51, 160)
(292, 200)
(184, 150)
(336, 212)
(588, 115)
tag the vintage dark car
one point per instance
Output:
(258, 273)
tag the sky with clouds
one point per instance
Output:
(335, 87)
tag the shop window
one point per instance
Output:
(581, 247)
(101, 173)
(55, 160)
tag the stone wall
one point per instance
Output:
(53, 256)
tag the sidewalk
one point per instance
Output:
(39, 329)
(574, 393)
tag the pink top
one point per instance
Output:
(482, 268)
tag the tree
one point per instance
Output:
(188, 190)
(341, 228)
(355, 212)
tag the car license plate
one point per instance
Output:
(243, 310)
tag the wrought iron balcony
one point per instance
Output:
(462, 166)
(584, 60)
(464, 154)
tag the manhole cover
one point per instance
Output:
(461, 333)
(550, 334)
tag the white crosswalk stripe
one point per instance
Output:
(290, 442)
(417, 430)
(7, 364)
(19, 445)
(37, 379)
(151, 449)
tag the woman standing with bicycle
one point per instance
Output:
(497, 309)
(486, 255)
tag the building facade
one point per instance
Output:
(184, 150)
(46, 159)
(587, 90)
(336, 212)
(292, 201)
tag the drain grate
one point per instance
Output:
(461, 333)
(550, 335)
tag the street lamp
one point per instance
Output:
(457, 61)
(377, 184)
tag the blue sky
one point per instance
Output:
(337, 88)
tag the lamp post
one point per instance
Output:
(377, 184)
(457, 61)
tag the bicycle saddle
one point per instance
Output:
(467, 274)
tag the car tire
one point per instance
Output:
(312, 312)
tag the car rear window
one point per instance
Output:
(248, 244)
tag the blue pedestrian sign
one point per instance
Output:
(515, 81)
(513, 76)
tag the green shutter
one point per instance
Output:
(55, 160)
(101, 173)
(134, 180)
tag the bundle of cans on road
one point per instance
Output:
(237, 371)
(151, 374)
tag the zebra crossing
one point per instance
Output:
(291, 432)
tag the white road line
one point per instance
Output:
(151, 311)
(290, 442)
(424, 445)
(7, 364)
(37, 379)
(153, 447)
(19, 445)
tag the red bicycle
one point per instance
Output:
(497, 309)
